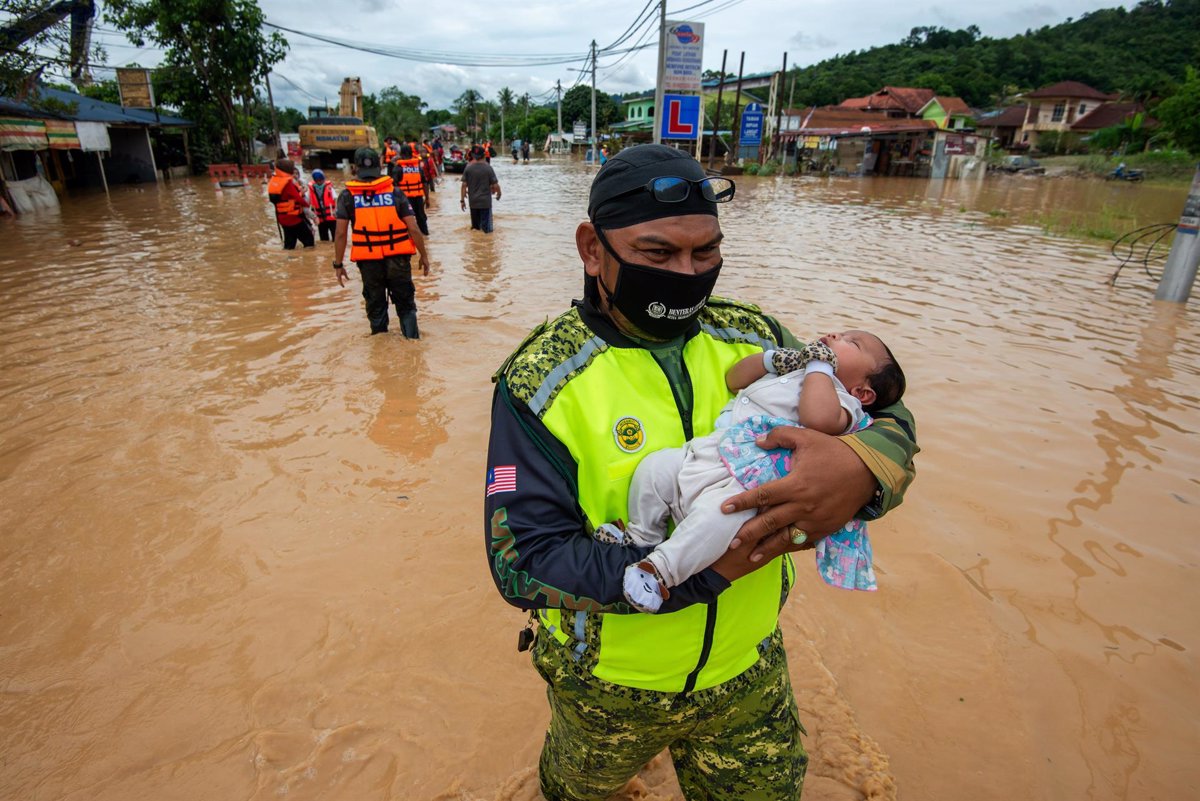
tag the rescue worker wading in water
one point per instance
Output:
(320, 198)
(410, 180)
(289, 201)
(383, 237)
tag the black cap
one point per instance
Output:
(634, 167)
(367, 162)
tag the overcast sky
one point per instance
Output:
(807, 31)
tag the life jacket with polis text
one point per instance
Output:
(377, 230)
(411, 182)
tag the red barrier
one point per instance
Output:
(223, 171)
(257, 170)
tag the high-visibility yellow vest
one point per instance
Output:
(610, 414)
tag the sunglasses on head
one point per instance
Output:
(672, 189)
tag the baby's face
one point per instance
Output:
(859, 355)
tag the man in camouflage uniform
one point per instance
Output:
(640, 365)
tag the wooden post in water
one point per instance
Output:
(1180, 271)
(712, 145)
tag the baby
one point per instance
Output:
(825, 386)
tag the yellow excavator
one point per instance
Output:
(327, 138)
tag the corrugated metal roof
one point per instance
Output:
(89, 110)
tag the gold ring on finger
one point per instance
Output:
(799, 536)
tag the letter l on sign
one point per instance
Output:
(675, 126)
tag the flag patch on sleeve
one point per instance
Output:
(502, 478)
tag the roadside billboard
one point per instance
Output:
(683, 56)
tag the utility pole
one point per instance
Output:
(777, 133)
(558, 92)
(737, 110)
(594, 134)
(271, 100)
(712, 143)
(662, 57)
(1179, 273)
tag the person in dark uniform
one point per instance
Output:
(377, 218)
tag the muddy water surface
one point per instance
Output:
(241, 548)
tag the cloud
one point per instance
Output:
(805, 41)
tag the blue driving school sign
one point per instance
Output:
(681, 117)
(752, 125)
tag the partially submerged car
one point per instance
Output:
(1021, 164)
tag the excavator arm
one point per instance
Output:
(82, 12)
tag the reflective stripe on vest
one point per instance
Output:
(410, 178)
(286, 211)
(377, 230)
(655, 652)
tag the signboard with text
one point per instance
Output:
(580, 131)
(134, 87)
(752, 125)
(683, 56)
(681, 117)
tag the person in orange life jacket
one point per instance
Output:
(321, 200)
(377, 218)
(391, 151)
(410, 179)
(637, 362)
(284, 192)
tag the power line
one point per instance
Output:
(463, 59)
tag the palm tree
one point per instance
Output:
(464, 106)
(506, 103)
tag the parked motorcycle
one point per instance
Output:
(1123, 174)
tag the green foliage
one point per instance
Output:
(577, 106)
(1135, 52)
(466, 112)
(394, 113)
(216, 52)
(769, 168)
(752, 168)
(1180, 113)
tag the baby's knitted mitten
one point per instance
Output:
(790, 360)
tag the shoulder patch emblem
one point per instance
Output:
(629, 434)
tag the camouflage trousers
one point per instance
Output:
(738, 741)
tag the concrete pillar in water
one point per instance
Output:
(1180, 272)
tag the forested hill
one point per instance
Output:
(1140, 53)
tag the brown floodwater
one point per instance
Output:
(241, 545)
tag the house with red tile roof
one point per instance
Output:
(895, 101)
(1058, 107)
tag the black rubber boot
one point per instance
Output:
(408, 324)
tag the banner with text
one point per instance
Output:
(683, 56)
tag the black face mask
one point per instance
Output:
(660, 303)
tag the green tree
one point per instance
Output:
(507, 99)
(466, 112)
(1180, 113)
(30, 53)
(394, 113)
(577, 107)
(216, 52)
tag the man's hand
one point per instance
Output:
(340, 272)
(826, 487)
(424, 264)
